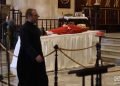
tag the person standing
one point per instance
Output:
(31, 69)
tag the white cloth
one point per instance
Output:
(16, 52)
(72, 17)
(68, 41)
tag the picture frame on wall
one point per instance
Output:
(63, 3)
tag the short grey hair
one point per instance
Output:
(28, 12)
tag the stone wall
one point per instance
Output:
(45, 8)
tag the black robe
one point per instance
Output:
(30, 72)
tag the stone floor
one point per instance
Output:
(112, 78)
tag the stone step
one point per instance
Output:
(110, 41)
(111, 60)
(113, 50)
(110, 48)
(110, 56)
(109, 44)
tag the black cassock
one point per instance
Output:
(30, 72)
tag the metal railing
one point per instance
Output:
(106, 15)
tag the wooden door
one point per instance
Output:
(79, 4)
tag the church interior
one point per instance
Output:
(80, 40)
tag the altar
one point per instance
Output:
(75, 20)
(85, 57)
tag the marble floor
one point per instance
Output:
(112, 78)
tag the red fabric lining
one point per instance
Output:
(68, 29)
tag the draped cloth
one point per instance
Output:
(68, 41)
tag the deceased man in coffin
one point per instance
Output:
(68, 29)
